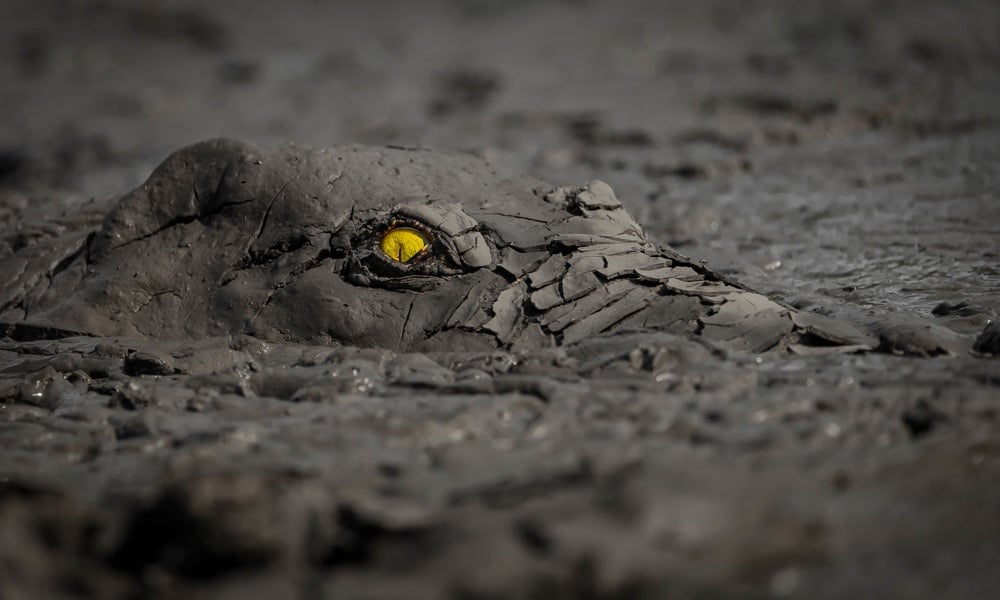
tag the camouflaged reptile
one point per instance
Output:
(404, 249)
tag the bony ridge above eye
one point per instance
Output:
(402, 243)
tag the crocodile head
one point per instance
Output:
(388, 247)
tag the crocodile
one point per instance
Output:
(406, 249)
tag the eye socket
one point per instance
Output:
(402, 244)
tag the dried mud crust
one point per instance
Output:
(839, 157)
(282, 243)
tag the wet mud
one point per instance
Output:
(163, 438)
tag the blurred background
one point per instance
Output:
(821, 151)
(842, 156)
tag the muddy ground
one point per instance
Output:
(839, 156)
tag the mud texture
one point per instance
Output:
(286, 244)
(182, 413)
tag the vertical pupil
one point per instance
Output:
(402, 243)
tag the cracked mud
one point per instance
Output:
(282, 244)
(217, 385)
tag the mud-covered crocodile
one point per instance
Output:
(404, 249)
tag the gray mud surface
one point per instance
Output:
(841, 158)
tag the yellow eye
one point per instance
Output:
(403, 243)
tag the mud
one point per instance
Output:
(841, 159)
(295, 244)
